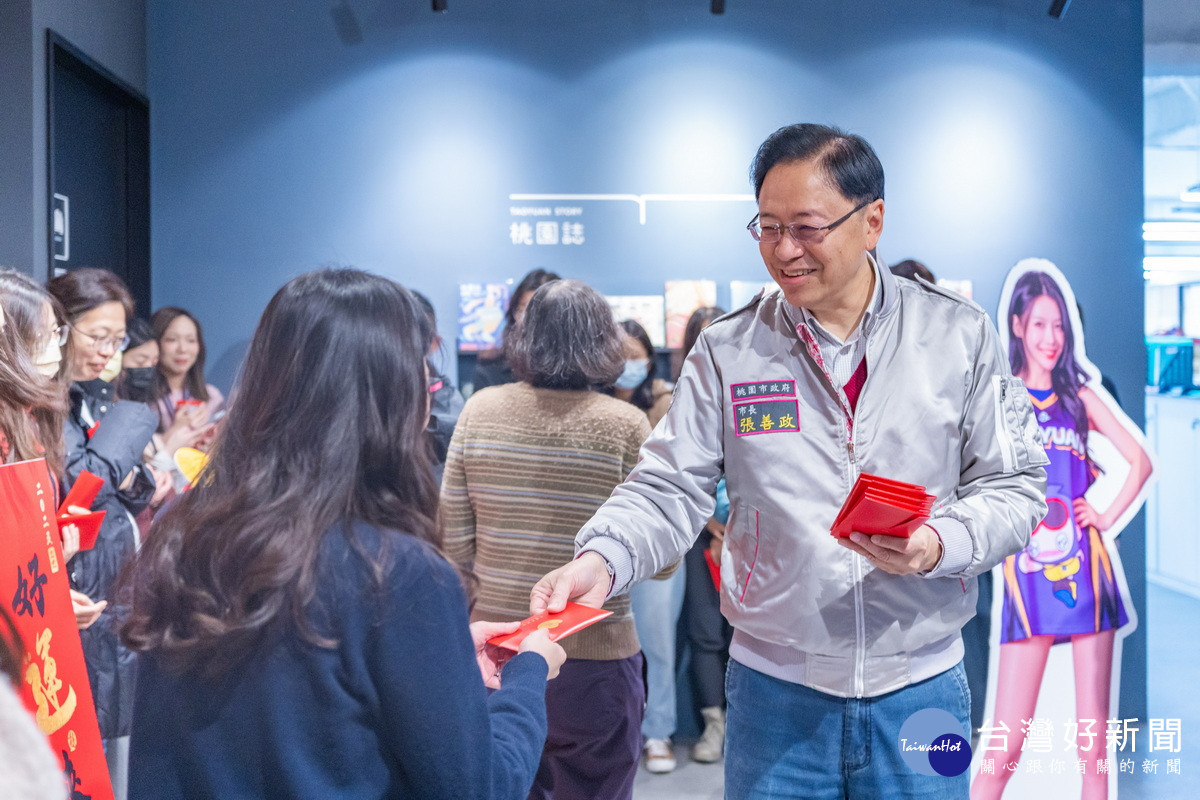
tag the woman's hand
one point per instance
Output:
(70, 534)
(539, 642)
(196, 415)
(162, 485)
(491, 659)
(86, 612)
(1086, 514)
(188, 427)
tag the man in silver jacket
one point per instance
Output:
(845, 651)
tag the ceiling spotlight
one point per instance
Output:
(718, 6)
(439, 5)
(1191, 194)
(1059, 8)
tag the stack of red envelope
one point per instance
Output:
(882, 505)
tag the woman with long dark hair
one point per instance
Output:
(181, 388)
(32, 403)
(301, 633)
(1063, 587)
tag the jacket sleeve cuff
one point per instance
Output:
(956, 547)
(616, 555)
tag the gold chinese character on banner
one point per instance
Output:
(52, 713)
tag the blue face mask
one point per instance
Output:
(635, 372)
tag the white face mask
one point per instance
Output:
(49, 360)
(113, 368)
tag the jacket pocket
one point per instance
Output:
(743, 547)
(1017, 432)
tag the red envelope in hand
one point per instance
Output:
(916, 502)
(82, 495)
(573, 618)
(884, 506)
(88, 525)
(83, 492)
(920, 504)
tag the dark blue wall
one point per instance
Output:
(277, 148)
(111, 34)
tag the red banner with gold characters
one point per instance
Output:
(33, 585)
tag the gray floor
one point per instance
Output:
(689, 781)
(1173, 651)
(1174, 692)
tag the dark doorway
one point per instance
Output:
(99, 170)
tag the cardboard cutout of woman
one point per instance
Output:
(1067, 585)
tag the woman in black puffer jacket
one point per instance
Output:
(107, 438)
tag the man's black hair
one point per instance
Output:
(850, 163)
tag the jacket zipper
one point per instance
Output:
(860, 625)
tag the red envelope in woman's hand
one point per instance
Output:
(82, 495)
(573, 618)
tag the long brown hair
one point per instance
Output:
(32, 406)
(194, 380)
(328, 429)
(1067, 377)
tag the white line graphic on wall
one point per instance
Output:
(642, 199)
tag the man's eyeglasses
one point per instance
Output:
(801, 234)
(106, 342)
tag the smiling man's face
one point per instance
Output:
(826, 277)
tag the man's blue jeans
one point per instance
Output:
(784, 740)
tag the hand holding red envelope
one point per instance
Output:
(883, 506)
(573, 618)
(82, 495)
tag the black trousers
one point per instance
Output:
(594, 711)
(708, 632)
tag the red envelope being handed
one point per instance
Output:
(82, 495)
(881, 505)
(573, 618)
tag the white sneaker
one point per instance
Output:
(660, 758)
(711, 746)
